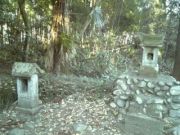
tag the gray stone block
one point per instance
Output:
(176, 130)
(155, 100)
(156, 89)
(165, 88)
(135, 80)
(121, 103)
(123, 85)
(150, 85)
(117, 92)
(175, 106)
(139, 100)
(79, 127)
(161, 83)
(123, 97)
(175, 90)
(177, 82)
(135, 108)
(139, 124)
(156, 110)
(169, 84)
(161, 93)
(174, 113)
(16, 131)
(142, 84)
(149, 72)
(176, 99)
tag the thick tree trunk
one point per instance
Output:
(176, 69)
(21, 4)
(56, 53)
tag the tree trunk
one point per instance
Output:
(176, 69)
(21, 4)
(56, 53)
(1, 35)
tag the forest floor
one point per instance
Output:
(71, 106)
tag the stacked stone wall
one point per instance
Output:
(157, 98)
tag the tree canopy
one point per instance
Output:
(27, 26)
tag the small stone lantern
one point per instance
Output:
(27, 86)
(151, 45)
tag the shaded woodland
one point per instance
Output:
(64, 36)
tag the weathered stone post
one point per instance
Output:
(150, 45)
(27, 87)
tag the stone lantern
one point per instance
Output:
(150, 45)
(27, 86)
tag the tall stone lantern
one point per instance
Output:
(27, 86)
(151, 45)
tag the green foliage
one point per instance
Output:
(123, 15)
(152, 17)
(7, 95)
(7, 9)
(42, 8)
(80, 11)
(65, 40)
(135, 15)
(119, 16)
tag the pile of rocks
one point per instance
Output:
(157, 98)
(152, 97)
(175, 102)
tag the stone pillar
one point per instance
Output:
(27, 87)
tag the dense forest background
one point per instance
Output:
(87, 37)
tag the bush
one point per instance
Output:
(7, 95)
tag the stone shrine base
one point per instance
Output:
(139, 124)
(28, 113)
(148, 72)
